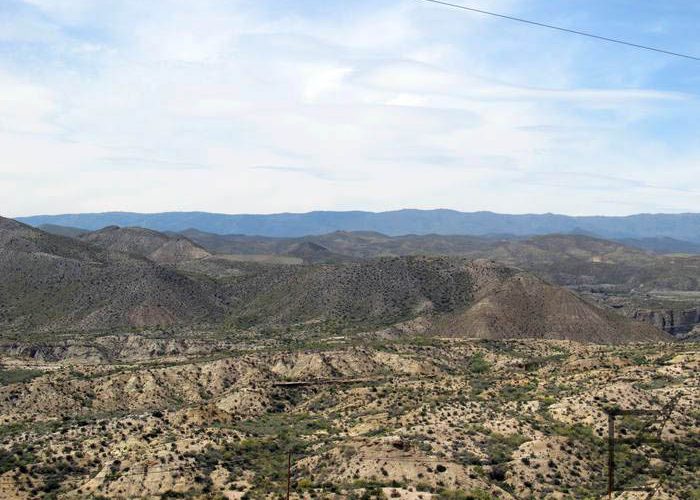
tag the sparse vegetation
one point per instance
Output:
(449, 418)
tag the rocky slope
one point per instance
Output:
(155, 246)
(72, 232)
(455, 296)
(564, 259)
(621, 276)
(54, 282)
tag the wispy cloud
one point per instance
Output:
(126, 162)
(263, 106)
(313, 172)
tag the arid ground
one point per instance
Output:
(213, 415)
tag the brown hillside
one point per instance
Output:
(518, 304)
(155, 246)
(55, 282)
(457, 296)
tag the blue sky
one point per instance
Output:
(280, 105)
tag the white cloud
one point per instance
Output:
(25, 107)
(242, 107)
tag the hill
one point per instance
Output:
(564, 259)
(161, 415)
(53, 282)
(451, 296)
(71, 232)
(399, 222)
(663, 245)
(57, 283)
(313, 253)
(158, 247)
(659, 289)
(357, 244)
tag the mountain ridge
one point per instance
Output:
(683, 226)
(61, 283)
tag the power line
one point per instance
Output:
(567, 30)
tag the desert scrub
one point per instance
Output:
(478, 364)
(264, 451)
(510, 392)
(500, 448)
(473, 494)
(15, 457)
(18, 376)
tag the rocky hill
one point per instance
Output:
(155, 246)
(57, 283)
(564, 259)
(72, 232)
(313, 253)
(155, 415)
(663, 290)
(437, 295)
(53, 282)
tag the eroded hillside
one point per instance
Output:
(174, 415)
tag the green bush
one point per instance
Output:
(477, 363)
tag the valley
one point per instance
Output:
(349, 250)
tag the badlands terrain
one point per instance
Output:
(164, 414)
(135, 363)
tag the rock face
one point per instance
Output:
(670, 320)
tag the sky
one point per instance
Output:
(268, 106)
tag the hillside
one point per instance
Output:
(72, 232)
(360, 244)
(56, 282)
(162, 416)
(679, 226)
(663, 245)
(452, 296)
(659, 289)
(564, 259)
(155, 246)
(313, 253)
(59, 283)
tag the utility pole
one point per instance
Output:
(289, 473)
(617, 412)
(611, 453)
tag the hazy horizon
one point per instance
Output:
(24, 216)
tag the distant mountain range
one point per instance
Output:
(682, 227)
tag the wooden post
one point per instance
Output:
(289, 473)
(611, 454)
